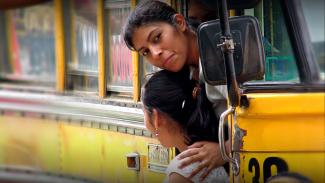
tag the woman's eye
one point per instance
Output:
(144, 53)
(156, 38)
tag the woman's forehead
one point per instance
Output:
(142, 33)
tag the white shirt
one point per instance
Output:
(217, 175)
(217, 95)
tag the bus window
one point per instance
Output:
(28, 52)
(119, 57)
(314, 15)
(147, 67)
(280, 61)
(83, 65)
(4, 63)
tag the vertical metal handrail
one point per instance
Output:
(221, 135)
(228, 51)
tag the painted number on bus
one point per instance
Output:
(254, 166)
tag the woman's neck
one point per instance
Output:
(181, 147)
(180, 142)
(193, 58)
(177, 135)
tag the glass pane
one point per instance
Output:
(83, 67)
(314, 15)
(31, 44)
(5, 67)
(120, 57)
(280, 60)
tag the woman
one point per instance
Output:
(179, 114)
(163, 37)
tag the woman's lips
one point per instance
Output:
(167, 61)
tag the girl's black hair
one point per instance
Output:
(144, 13)
(171, 93)
(296, 176)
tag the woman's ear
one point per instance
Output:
(155, 117)
(180, 22)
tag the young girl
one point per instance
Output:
(162, 36)
(179, 114)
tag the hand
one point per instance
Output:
(207, 153)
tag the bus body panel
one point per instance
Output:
(29, 141)
(280, 132)
(73, 148)
(261, 165)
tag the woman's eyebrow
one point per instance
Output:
(148, 38)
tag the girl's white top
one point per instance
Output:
(217, 175)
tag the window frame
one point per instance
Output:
(130, 91)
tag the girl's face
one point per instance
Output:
(160, 125)
(148, 121)
(163, 45)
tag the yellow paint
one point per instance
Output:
(101, 49)
(104, 153)
(290, 126)
(310, 165)
(232, 13)
(135, 68)
(120, 145)
(283, 122)
(284, 104)
(133, 3)
(29, 142)
(59, 147)
(59, 46)
(135, 65)
(80, 147)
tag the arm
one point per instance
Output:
(207, 153)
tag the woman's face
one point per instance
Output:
(163, 45)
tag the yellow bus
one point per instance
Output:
(276, 95)
(69, 94)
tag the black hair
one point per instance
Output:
(172, 93)
(210, 13)
(144, 13)
(294, 175)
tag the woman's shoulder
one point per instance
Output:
(173, 167)
(216, 175)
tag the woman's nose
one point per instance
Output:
(156, 51)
